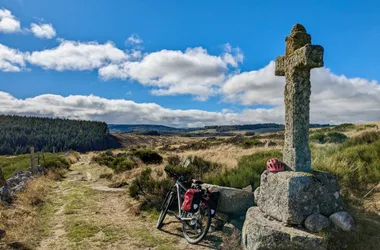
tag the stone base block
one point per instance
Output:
(232, 200)
(260, 233)
(291, 197)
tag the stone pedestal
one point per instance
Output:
(290, 197)
(232, 200)
(260, 233)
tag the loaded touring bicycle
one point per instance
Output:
(196, 207)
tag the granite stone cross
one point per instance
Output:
(295, 65)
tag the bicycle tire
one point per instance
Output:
(204, 233)
(164, 209)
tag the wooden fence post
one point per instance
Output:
(32, 157)
(53, 150)
(2, 178)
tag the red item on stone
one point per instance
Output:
(275, 165)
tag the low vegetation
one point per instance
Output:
(150, 189)
(330, 137)
(127, 161)
(27, 219)
(355, 163)
(10, 164)
(195, 167)
(247, 173)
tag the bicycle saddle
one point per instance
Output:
(195, 181)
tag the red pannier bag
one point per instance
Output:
(191, 201)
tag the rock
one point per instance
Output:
(2, 233)
(256, 194)
(343, 220)
(6, 194)
(219, 220)
(238, 224)
(232, 200)
(259, 233)
(228, 228)
(317, 222)
(291, 197)
(221, 216)
(248, 188)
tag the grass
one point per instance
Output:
(27, 221)
(247, 173)
(78, 197)
(147, 239)
(10, 164)
(355, 166)
(78, 230)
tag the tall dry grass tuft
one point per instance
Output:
(25, 221)
(227, 155)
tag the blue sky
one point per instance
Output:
(204, 86)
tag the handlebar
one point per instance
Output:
(172, 174)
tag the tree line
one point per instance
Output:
(19, 133)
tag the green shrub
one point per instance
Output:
(335, 137)
(55, 163)
(247, 173)
(331, 137)
(152, 190)
(174, 160)
(344, 127)
(197, 168)
(148, 156)
(318, 137)
(119, 163)
(249, 143)
(103, 159)
(124, 166)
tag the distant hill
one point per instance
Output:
(128, 128)
(18, 134)
(161, 129)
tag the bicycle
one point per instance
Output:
(192, 223)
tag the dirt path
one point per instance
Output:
(89, 215)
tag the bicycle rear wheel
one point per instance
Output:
(195, 230)
(164, 208)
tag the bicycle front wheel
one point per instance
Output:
(164, 208)
(196, 229)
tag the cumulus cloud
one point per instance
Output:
(8, 22)
(71, 55)
(134, 39)
(334, 98)
(125, 111)
(43, 30)
(11, 60)
(168, 72)
(174, 72)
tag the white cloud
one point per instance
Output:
(169, 72)
(71, 55)
(8, 22)
(43, 30)
(11, 60)
(134, 39)
(123, 111)
(174, 72)
(334, 98)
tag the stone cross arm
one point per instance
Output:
(307, 57)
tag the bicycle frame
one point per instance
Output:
(179, 186)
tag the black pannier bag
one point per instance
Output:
(213, 198)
